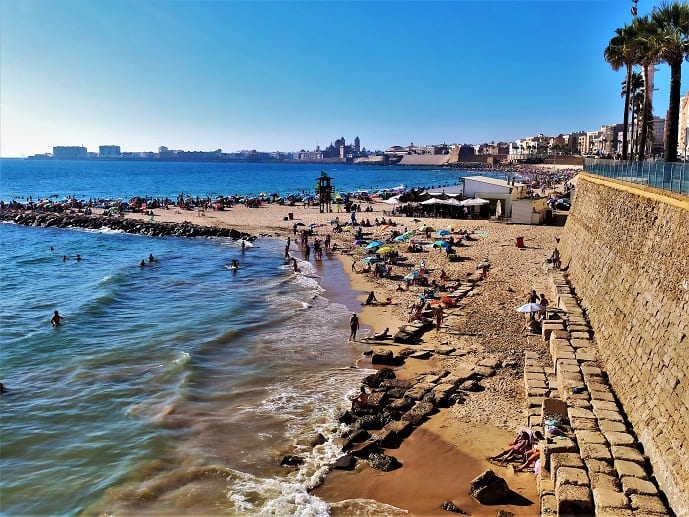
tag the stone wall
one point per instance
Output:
(625, 249)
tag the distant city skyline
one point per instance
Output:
(288, 76)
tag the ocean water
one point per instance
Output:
(85, 179)
(177, 387)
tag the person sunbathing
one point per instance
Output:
(518, 447)
(380, 335)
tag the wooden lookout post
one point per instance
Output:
(325, 192)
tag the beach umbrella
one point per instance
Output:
(444, 244)
(442, 233)
(347, 228)
(373, 259)
(475, 202)
(301, 224)
(426, 228)
(410, 277)
(385, 227)
(531, 307)
(359, 242)
(374, 244)
(402, 237)
(384, 249)
(393, 200)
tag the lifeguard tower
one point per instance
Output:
(325, 192)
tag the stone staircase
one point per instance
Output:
(596, 467)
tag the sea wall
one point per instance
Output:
(625, 249)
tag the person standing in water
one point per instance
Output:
(353, 326)
(55, 320)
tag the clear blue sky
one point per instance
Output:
(288, 75)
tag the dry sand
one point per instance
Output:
(445, 453)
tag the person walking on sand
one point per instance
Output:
(438, 317)
(353, 326)
(55, 320)
(294, 265)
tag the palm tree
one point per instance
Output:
(620, 52)
(636, 90)
(672, 42)
(645, 45)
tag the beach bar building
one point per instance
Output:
(494, 190)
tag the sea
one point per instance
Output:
(174, 388)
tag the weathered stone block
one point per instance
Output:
(593, 451)
(584, 424)
(484, 371)
(580, 343)
(605, 499)
(627, 454)
(603, 414)
(621, 439)
(563, 459)
(590, 437)
(580, 413)
(574, 500)
(570, 476)
(548, 505)
(601, 395)
(632, 485)
(599, 466)
(647, 504)
(604, 405)
(607, 481)
(609, 426)
(631, 469)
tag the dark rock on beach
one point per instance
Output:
(450, 507)
(383, 462)
(489, 488)
(291, 461)
(345, 462)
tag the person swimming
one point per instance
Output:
(55, 320)
(151, 258)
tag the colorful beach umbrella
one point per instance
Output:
(402, 237)
(374, 244)
(443, 232)
(384, 249)
(444, 244)
(425, 227)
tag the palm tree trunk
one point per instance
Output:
(646, 114)
(627, 94)
(633, 132)
(672, 128)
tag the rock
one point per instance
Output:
(484, 371)
(367, 422)
(450, 507)
(291, 461)
(383, 357)
(471, 385)
(345, 462)
(311, 440)
(375, 379)
(424, 354)
(490, 362)
(345, 418)
(488, 488)
(382, 462)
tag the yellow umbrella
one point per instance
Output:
(384, 249)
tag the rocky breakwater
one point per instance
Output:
(137, 226)
(394, 408)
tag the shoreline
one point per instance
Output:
(482, 326)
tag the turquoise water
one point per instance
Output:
(174, 388)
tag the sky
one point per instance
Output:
(203, 75)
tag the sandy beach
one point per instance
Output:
(453, 444)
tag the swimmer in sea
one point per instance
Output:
(55, 320)
(151, 258)
(78, 257)
(142, 263)
(64, 258)
(235, 264)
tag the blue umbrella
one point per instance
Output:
(445, 244)
(401, 238)
(374, 244)
(372, 259)
(443, 232)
